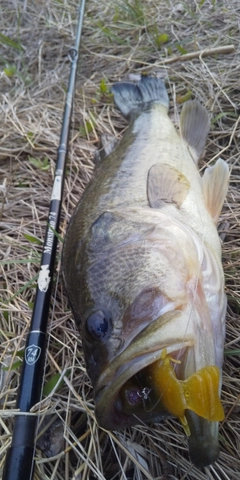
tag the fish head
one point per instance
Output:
(132, 304)
(121, 304)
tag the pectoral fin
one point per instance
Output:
(165, 184)
(194, 126)
(215, 185)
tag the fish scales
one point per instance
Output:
(143, 273)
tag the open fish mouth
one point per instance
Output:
(129, 398)
(123, 394)
(142, 386)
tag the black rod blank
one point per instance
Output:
(19, 463)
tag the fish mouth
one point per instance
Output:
(127, 395)
(123, 393)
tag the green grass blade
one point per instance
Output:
(19, 262)
(233, 352)
(33, 239)
(10, 43)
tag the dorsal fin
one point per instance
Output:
(194, 126)
(165, 184)
(215, 182)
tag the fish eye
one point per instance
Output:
(99, 325)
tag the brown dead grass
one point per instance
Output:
(116, 42)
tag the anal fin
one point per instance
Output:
(108, 144)
(166, 184)
(215, 182)
(194, 126)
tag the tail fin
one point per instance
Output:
(131, 98)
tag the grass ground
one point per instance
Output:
(120, 38)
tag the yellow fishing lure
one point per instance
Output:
(198, 393)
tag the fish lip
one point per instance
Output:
(135, 357)
(203, 442)
(132, 367)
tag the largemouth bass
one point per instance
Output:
(143, 273)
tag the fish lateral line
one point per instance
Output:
(198, 393)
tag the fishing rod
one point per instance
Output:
(19, 463)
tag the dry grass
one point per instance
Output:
(119, 38)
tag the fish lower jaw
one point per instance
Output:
(203, 443)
